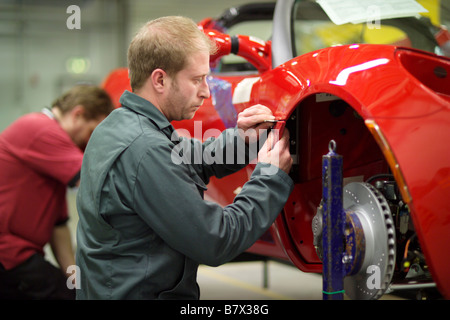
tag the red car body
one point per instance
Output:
(387, 108)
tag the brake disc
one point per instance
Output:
(372, 279)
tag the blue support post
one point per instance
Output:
(333, 237)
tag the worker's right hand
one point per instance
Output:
(276, 151)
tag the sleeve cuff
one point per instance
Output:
(268, 169)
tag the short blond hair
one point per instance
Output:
(164, 43)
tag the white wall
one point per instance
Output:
(35, 45)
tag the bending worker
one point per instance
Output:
(40, 156)
(144, 226)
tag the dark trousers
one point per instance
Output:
(35, 279)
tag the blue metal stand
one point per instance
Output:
(333, 237)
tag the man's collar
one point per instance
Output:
(144, 107)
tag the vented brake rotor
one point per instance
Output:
(369, 206)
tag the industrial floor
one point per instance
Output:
(255, 281)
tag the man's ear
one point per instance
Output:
(159, 80)
(77, 111)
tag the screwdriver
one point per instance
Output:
(274, 121)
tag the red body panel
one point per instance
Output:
(401, 90)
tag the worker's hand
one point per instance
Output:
(276, 151)
(251, 122)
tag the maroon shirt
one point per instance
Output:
(37, 161)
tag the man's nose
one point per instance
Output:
(204, 90)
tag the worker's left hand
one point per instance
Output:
(251, 123)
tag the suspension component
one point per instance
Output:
(354, 235)
(333, 225)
